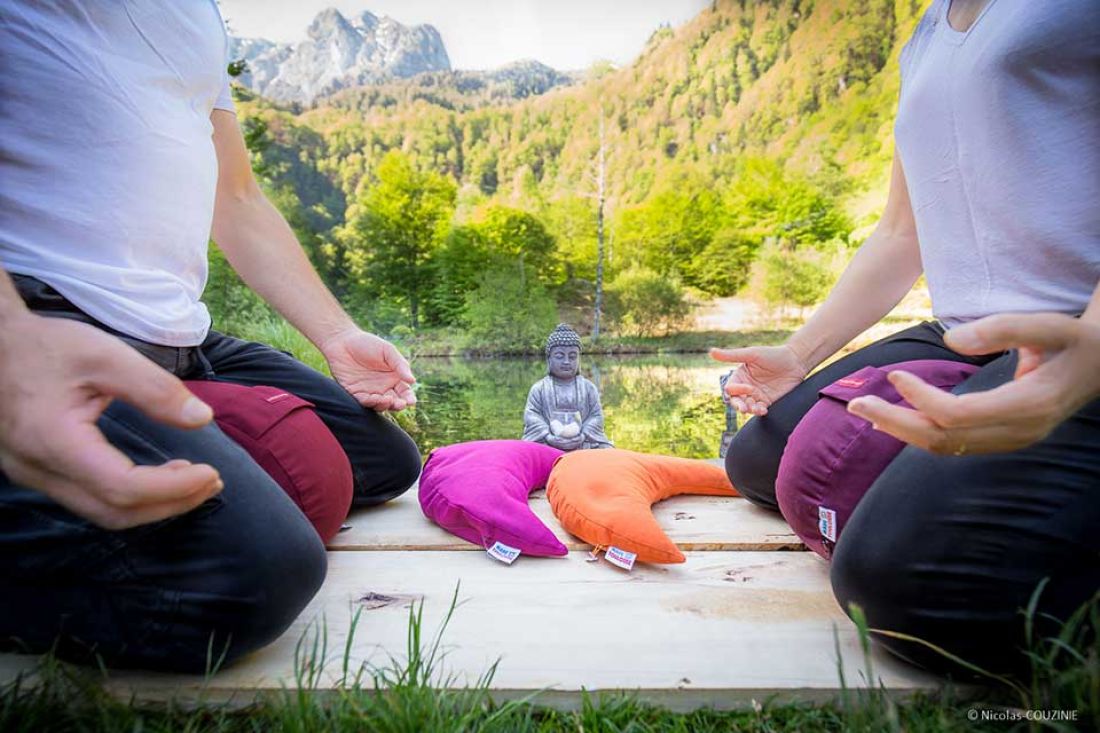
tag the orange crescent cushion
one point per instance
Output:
(605, 497)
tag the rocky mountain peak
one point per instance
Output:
(339, 53)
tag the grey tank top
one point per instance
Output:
(998, 129)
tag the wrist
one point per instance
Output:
(803, 351)
(332, 331)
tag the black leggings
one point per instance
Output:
(950, 549)
(229, 576)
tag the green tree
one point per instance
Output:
(508, 312)
(668, 231)
(456, 267)
(515, 235)
(792, 277)
(395, 228)
(644, 302)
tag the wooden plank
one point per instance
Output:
(720, 630)
(692, 522)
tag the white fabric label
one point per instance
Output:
(826, 523)
(621, 558)
(504, 553)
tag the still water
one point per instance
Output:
(667, 403)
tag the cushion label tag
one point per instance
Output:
(621, 558)
(826, 522)
(504, 553)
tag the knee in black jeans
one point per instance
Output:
(750, 463)
(275, 575)
(377, 482)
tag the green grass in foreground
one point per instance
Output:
(405, 697)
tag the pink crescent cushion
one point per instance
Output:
(478, 491)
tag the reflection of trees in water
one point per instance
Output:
(655, 404)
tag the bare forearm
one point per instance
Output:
(262, 248)
(11, 304)
(878, 277)
(1092, 312)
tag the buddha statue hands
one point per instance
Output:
(563, 408)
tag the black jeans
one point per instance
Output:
(950, 549)
(223, 579)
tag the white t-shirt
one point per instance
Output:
(107, 164)
(998, 129)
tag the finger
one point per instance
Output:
(76, 497)
(406, 392)
(738, 388)
(1028, 361)
(940, 406)
(131, 377)
(904, 424)
(399, 364)
(746, 355)
(739, 404)
(1012, 402)
(114, 492)
(1006, 331)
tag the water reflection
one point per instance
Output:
(656, 403)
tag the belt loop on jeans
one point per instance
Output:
(207, 367)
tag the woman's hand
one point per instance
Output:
(766, 374)
(371, 369)
(1057, 374)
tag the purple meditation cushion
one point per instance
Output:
(479, 492)
(833, 457)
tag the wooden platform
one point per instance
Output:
(749, 616)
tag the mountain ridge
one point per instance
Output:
(343, 53)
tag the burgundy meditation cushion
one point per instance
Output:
(833, 457)
(283, 434)
(478, 491)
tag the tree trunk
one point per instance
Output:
(600, 192)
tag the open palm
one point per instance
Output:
(371, 369)
(764, 374)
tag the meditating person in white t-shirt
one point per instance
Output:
(131, 528)
(994, 197)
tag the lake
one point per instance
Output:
(657, 403)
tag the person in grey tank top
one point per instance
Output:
(993, 197)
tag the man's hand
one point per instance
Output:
(1058, 373)
(765, 374)
(371, 369)
(56, 378)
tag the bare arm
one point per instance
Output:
(262, 248)
(877, 278)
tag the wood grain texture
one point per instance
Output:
(722, 629)
(692, 522)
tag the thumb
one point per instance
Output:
(746, 355)
(400, 365)
(130, 377)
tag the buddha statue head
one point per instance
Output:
(563, 353)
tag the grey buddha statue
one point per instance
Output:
(563, 408)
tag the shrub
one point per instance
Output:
(791, 277)
(643, 302)
(508, 312)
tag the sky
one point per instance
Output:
(484, 34)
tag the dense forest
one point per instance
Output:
(751, 144)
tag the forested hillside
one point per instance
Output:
(757, 127)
